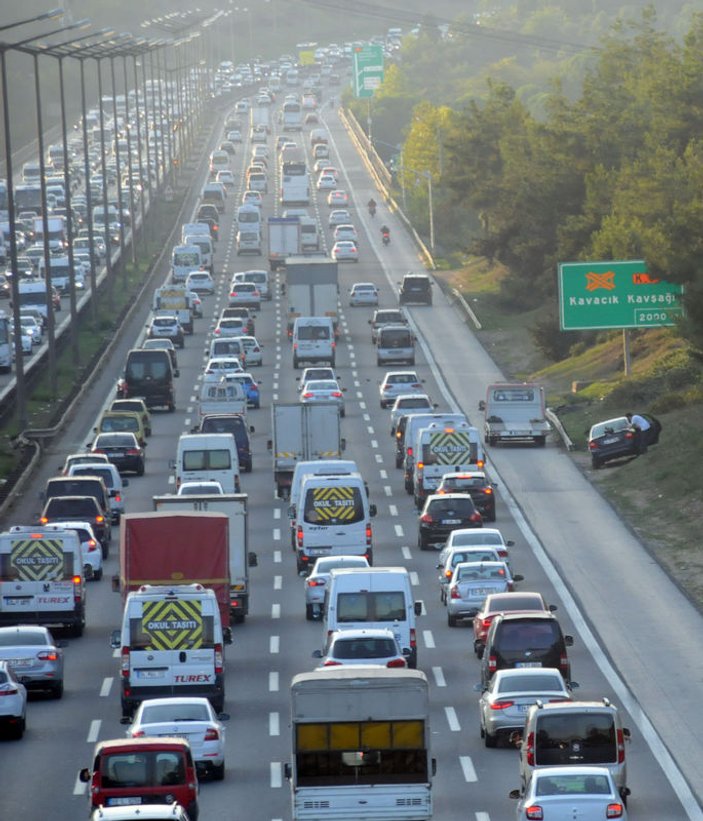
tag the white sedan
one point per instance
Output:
(190, 718)
(219, 366)
(340, 216)
(13, 704)
(363, 293)
(345, 250)
(326, 181)
(346, 232)
(252, 350)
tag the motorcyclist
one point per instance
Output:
(372, 207)
(385, 233)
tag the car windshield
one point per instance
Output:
(611, 426)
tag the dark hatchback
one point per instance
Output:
(79, 508)
(517, 640)
(616, 438)
(236, 425)
(442, 514)
(477, 485)
(415, 288)
(122, 450)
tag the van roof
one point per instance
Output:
(138, 744)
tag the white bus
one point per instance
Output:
(292, 116)
(295, 182)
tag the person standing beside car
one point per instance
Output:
(640, 425)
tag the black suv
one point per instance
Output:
(236, 425)
(524, 640)
(92, 485)
(148, 374)
(415, 288)
(442, 514)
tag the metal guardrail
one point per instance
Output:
(382, 178)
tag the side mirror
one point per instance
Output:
(370, 321)
(125, 720)
(287, 772)
(252, 559)
(417, 607)
(61, 643)
(569, 641)
(518, 578)
(626, 734)
(372, 510)
(116, 639)
(573, 685)
(269, 444)
(84, 775)
(317, 654)
(115, 583)
(291, 511)
(514, 794)
(482, 405)
(406, 651)
(552, 608)
(125, 483)
(176, 372)
(252, 429)
(223, 716)
(479, 688)
(95, 430)
(510, 543)
(434, 766)
(194, 429)
(479, 652)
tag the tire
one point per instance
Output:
(489, 739)
(595, 463)
(57, 689)
(296, 365)
(422, 542)
(540, 441)
(451, 620)
(217, 772)
(105, 547)
(491, 517)
(140, 469)
(18, 730)
(398, 462)
(309, 612)
(248, 467)
(97, 575)
(172, 405)
(342, 413)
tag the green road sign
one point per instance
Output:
(620, 294)
(368, 70)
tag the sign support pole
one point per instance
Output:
(626, 351)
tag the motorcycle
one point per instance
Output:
(386, 237)
(372, 209)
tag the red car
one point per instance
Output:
(496, 603)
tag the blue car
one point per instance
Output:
(252, 388)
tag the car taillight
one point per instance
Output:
(332, 664)
(409, 451)
(397, 663)
(593, 445)
(413, 637)
(476, 517)
(133, 452)
(530, 750)
(315, 582)
(92, 545)
(217, 331)
(629, 435)
(369, 534)
(299, 535)
(124, 662)
(614, 811)
(534, 811)
(137, 734)
(48, 655)
(492, 664)
(219, 660)
(454, 592)
(211, 734)
(337, 394)
(11, 692)
(426, 518)
(621, 749)
(501, 705)
(233, 293)
(486, 623)
(564, 664)
(117, 497)
(307, 395)
(502, 552)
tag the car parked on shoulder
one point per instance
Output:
(617, 438)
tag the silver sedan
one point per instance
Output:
(504, 704)
(35, 656)
(323, 390)
(471, 582)
(586, 793)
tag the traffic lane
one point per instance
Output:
(460, 670)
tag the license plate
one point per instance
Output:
(113, 453)
(451, 521)
(610, 441)
(123, 802)
(473, 592)
(529, 664)
(150, 673)
(17, 602)
(318, 551)
(522, 708)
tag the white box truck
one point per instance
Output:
(234, 506)
(312, 288)
(360, 745)
(514, 411)
(284, 240)
(302, 433)
(175, 299)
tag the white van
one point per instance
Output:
(184, 259)
(248, 218)
(309, 235)
(214, 193)
(248, 241)
(315, 467)
(259, 278)
(416, 422)
(333, 518)
(444, 448)
(208, 457)
(377, 597)
(171, 642)
(219, 161)
(207, 249)
(313, 340)
(41, 577)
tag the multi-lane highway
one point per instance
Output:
(569, 546)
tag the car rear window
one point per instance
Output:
(575, 738)
(476, 537)
(534, 684)
(313, 332)
(534, 635)
(153, 367)
(460, 507)
(514, 601)
(142, 769)
(363, 648)
(371, 607)
(72, 508)
(207, 459)
(110, 423)
(395, 338)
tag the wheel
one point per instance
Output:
(595, 463)
(57, 689)
(399, 461)
(218, 771)
(309, 612)
(422, 542)
(247, 467)
(105, 547)
(140, 469)
(492, 440)
(172, 405)
(451, 620)
(77, 631)
(296, 366)
(489, 739)
(342, 413)
(18, 729)
(97, 575)
(491, 515)
(540, 441)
